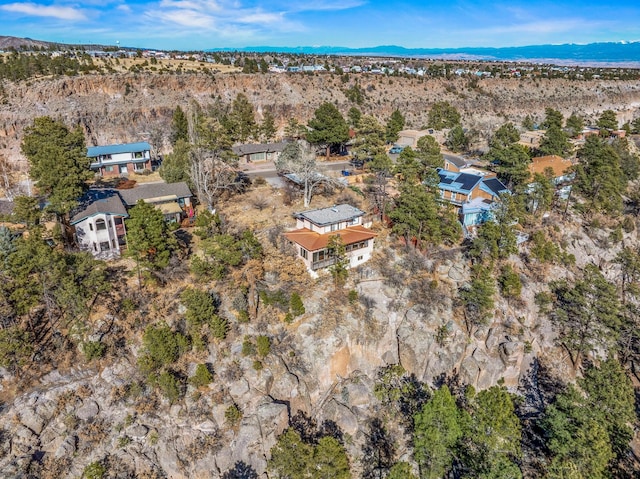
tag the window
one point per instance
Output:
(258, 156)
(113, 244)
(90, 227)
(138, 166)
(108, 168)
(454, 196)
(104, 246)
(138, 154)
(95, 247)
(334, 227)
(303, 253)
(354, 221)
(101, 225)
(360, 258)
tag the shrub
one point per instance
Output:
(248, 347)
(510, 284)
(288, 318)
(264, 345)
(169, 385)
(200, 306)
(353, 296)
(93, 350)
(257, 365)
(233, 414)
(296, 305)
(219, 327)
(162, 347)
(95, 470)
(202, 376)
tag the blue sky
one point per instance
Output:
(203, 24)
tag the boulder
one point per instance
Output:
(341, 415)
(88, 410)
(32, 420)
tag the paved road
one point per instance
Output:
(268, 170)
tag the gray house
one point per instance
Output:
(259, 152)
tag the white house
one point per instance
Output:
(99, 223)
(314, 228)
(99, 218)
(117, 160)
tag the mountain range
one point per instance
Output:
(593, 53)
(603, 54)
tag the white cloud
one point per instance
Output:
(185, 18)
(33, 9)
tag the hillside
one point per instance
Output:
(442, 356)
(119, 108)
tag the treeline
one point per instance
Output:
(17, 66)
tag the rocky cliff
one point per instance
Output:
(131, 107)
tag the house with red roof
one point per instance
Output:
(314, 228)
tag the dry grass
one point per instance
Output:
(124, 64)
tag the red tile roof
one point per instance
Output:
(314, 241)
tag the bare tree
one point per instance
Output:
(213, 167)
(299, 160)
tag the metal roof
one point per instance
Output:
(331, 215)
(95, 151)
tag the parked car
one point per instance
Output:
(396, 149)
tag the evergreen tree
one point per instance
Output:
(354, 115)
(504, 136)
(438, 427)
(395, 124)
(553, 119)
(575, 125)
(369, 140)
(443, 115)
(586, 314)
(328, 128)
(401, 470)
(179, 126)
(540, 193)
(589, 425)
(555, 142)
(268, 126)
(418, 216)
(457, 140)
(513, 164)
(608, 121)
(241, 122)
(491, 443)
(428, 153)
(527, 123)
(599, 177)
(149, 241)
(58, 163)
(176, 165)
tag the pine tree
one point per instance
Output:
(179, 126)
(438, 427)
(328, 128)
(395, 124)
(149, 241)
(59, 163)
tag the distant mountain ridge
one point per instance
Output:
(599, 54)
(609, 52)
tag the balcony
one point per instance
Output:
(316, 265)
